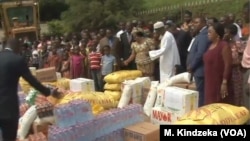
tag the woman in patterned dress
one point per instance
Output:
(237, 79)
(140, 52)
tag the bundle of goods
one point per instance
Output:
(182, 80)
(172, 103)
(134, 91)
(76, 111)
(115, 79)
(36, 108)
(216, 114)
(120, 76)
(105, 125)
(32, 97)
(149, 104)
(107, 101)
(44, 110)
(37, 137)
(63, 83)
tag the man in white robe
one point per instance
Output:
(168, 53)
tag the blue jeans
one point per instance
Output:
(200, 84)
(96, 76)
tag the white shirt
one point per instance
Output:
(239, 34)
(192, 41)
(119, 33)
(169, 56)
(190, 45)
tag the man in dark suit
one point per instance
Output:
(13, 66)
(126, 41)
(183, 39)
(195, 63)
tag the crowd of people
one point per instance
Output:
(212, 49)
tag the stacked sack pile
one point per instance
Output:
(114, 81)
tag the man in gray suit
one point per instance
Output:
(195, 63)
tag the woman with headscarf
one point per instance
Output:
(237, 79)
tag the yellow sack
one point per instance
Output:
(63, 83)
(99, 98)
(112, 87)
(216, 114)
(97, 109)
(54, 84)
(120, 76)
(116, 95)
(25, 86)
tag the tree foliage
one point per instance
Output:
(55, 27)
(98, 13)
(52, 9)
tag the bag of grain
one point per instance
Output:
(26, 121)
(146, 84)
(151, 98)
(126, 96)
(112, 87)
(180, 78)
(116, 95)
(216, 114)
(120, 76)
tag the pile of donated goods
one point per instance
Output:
(129, 100)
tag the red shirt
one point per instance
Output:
(95, 60)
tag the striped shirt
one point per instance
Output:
(95, 60)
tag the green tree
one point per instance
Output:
(98, 13)
(52, 9)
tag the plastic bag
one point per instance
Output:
(126, 96)
(150, 100)
(26, 121)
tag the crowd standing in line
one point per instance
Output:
(215, 50)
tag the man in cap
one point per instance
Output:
(16, 22)
(13, 66)
(168, 52)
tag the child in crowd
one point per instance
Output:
(95, 67)
(65, 71)
(108, 62)
(54, 60)
(76, 64)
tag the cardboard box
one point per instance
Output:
(144, 131)
(46, 75)
(82, 85)
(180, 100)
(161, 116)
